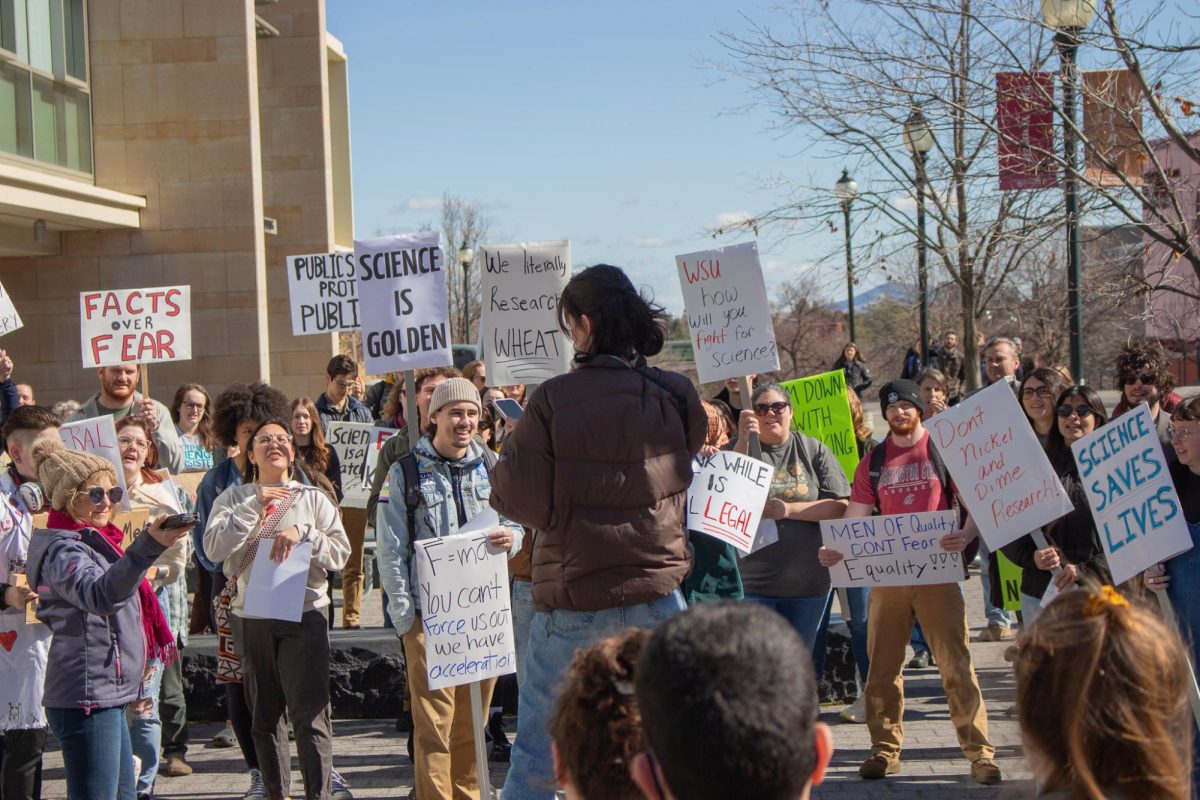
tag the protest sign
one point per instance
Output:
(276, 591)
(402, 304)
(893, 550)
(323, 293)
(518, 324)
(1000, 470)
(1128, 486)
(135, 326)
(367, 468)
(727, 496)
(1010, 582)
(821, 409)
(10, 320)
(351, 441)
(465, 610)
(728, 316)
(131, 523)
(97, 436)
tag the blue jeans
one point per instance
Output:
(553, 639)
(522, 616)
(917, 639)
(803, 613)
(145, 729)
(97, 756)
(995, 614)
(1184, 593)
(856, 599)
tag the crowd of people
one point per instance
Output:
(652, 661)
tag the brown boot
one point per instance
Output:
(173, 766)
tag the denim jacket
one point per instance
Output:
(444, 486)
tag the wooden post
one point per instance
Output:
(754, 447)
(478, 720)
(145, 381)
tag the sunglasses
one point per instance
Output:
(762, 409)
(1084, 410)
(96, 495)
(1147, 380)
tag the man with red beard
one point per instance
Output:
(118, 398)
(912, 479)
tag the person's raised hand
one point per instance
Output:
(148, 413)
(747, 424)
(502, 538)
(17, 596)
(166, 537)
(1047, 559)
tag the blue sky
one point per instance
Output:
(596, 122)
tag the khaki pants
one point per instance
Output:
(355, 522)
(943, 616)
(443, 731)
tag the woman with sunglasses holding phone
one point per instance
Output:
(104, 617)
(808, 486)
(285, 664)
(1074, 543)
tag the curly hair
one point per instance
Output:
(596, 724)
(1146, 357)
(241, 402)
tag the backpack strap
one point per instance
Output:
(412, 494)
(879, 452)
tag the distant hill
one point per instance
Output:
(893, 291)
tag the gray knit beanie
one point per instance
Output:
(454, 390)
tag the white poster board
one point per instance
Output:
(729, 318)
(135, 326)
(403, 305)
(351, 441)
(465, 609)
(97, 436)
(370, 461)
(276, 591)
(518, 323)
(998, 466)
(1137, 511)
(893, 550)
(323, 293)
(10, 320)
(727, 496)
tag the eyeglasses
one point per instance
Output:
(1146, 379)
(128, 441)
(1040, 391)
(344, 384)
(96, 495)
(762, 409)
(193, 406)
(1083, 410)
(1178, 434)
(273, 438)
(998, 359)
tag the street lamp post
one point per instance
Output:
(918, 138)
(465, 256)
(845, 190)
(1068, 18)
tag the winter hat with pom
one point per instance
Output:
(62, 471)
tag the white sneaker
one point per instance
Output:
(856, 711)
(257, 790)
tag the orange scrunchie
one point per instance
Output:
(1106, 597)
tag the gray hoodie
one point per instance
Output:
(88, 598)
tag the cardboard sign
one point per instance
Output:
(31, 609)
(465, 610)
(10, 320)
(727, 496)
(323, 293)
(893, 550)
(351, 441)
(728, 315)
(1001, 472)
(821, 409)
(1010, 582)
(402, 302)
(371, 460)
(135, 326)
(97, 436)
(131, 523)
(1128, 485)
(518, 324)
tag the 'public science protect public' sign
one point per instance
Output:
(893, 550)
(728, 316)
(402, 302)
(1137, 511)
(323, 293)
(1002, 473)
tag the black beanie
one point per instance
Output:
(898, 390)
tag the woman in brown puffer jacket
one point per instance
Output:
(599, 467)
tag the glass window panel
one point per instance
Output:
(15, 127)
(12, 28)
(73, 33)
(45, 122)
(41, 33)
(77, 131)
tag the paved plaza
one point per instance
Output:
(371, 754)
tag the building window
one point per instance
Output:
(45, 105)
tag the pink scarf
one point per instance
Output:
(160, 642)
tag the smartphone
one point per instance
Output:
(508, 408)
(180, 521)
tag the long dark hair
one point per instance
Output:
(1052, 379)
(316, 454)
(624, 322)
(1057, 448)
(251, 473)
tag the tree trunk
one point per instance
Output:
(970, 349)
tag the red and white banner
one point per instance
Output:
(135, 326)
(1025, 130)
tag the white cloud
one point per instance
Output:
(420, 204)
(728, 219)
(649, 241)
